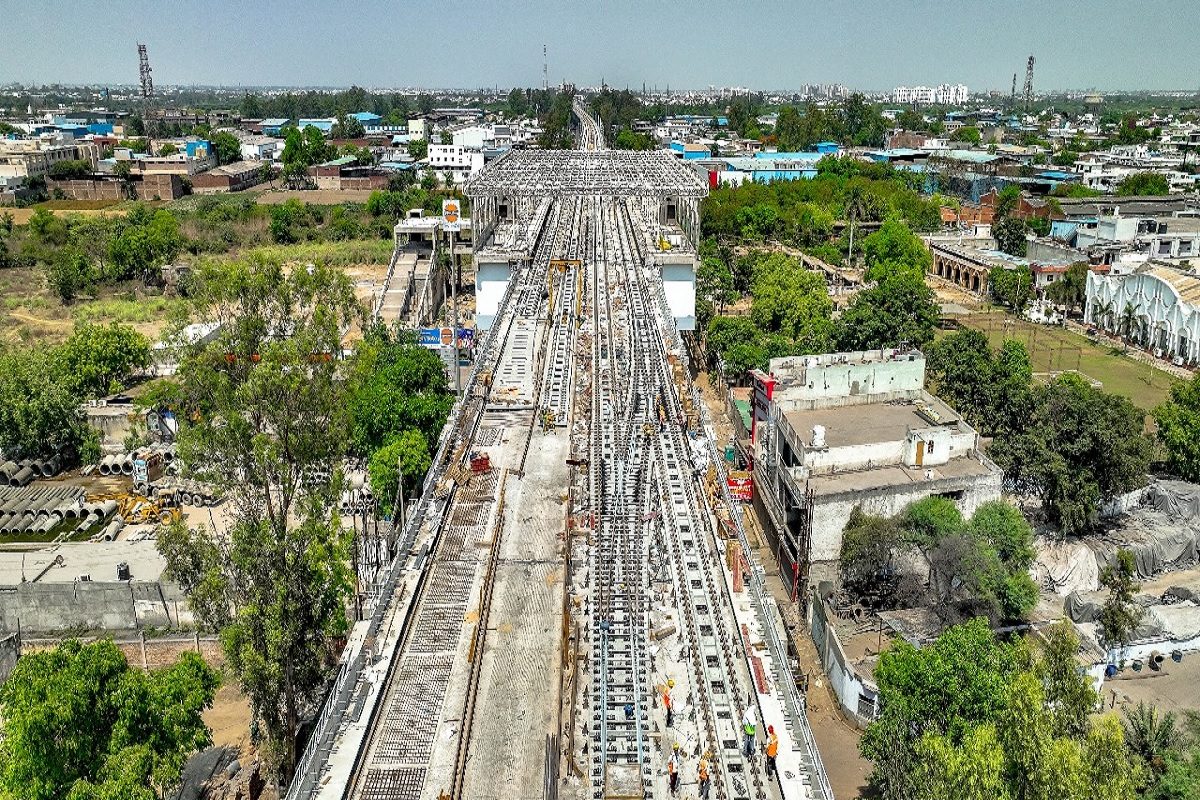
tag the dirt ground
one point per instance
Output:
(837, 739)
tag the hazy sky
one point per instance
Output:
(872, 44)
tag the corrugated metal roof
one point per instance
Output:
(1187, 286)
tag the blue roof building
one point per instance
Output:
(367, 118)
(827, 147)
(272, 127)
(323, 125)
(690, 152)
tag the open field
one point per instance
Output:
(1055, 349)
(62, 208)
(319, 197)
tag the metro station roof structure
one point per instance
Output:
(573, 172)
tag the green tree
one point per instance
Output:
(407, 455)
(418, 149)
(227, 147)
(95, 358)
(146, 241)
(1151, 736)
(714, 286)
(1071, 289)
(286, 221)
(1178, 421)
(968, 134)
(1009, 233)
(70, 169)
(168, 149)
(79, 723)
(894, 249)
(789, 130)
(930, 519)
(792, 300)
(1005, 528)
(991, 389)
(396, 386)
(898, 309)
(1012, 287)
(39, 413)
(68, 273)
(1143, 184)
(974, 771)
(266, 420)
(1120, 615)
(1077, 447)
(347, 127)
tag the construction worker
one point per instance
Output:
(673, 770)
(772, 749)
(666, 700)
(749, 727)
(702, 775)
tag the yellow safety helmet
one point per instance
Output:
(671, 685)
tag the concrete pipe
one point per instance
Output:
(126, 465)
(107, 508)
(6, 520)
(356, 480)
(112, 529)
(8, 469)
(185, 498)
(22, 478)
(45, 524)
(106, 465)
(50, 467)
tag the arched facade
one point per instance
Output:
(960, 268)
(1157, 308)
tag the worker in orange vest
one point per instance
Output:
(673, 771)
(702, 773)
(772, 749)
(666, 700)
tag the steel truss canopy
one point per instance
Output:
(620, 173)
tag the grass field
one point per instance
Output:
(1055, 349)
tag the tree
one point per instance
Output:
(396, 386)
(70, 169)
(146, 240)
(1010, 235)
(405, 455)
(227, 147)
(79, 723)
(789, 131)
(1071, 289)
(266, 424)
(1012, 287)
(95, 358)
(286, 219)
(1070, 699)
(1119, 616)
(714, 286)
(626, 139)
(930, 519)
(968, 134)
(39, 413)
(894, 249)
(944, 689)
(168, 149)
(1178, 421)
(418, 149)
(854, 207)
(792, 300)
(989, 388)
(69, 272)
(347, 127)
(898, 309)
(1150, 735)
(1077, 446)
(1143, 184)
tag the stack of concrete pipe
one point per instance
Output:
(121, 464)
(23, 472)
(25, 511)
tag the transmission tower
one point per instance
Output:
(1028, 91)
(545, 70)
(147, 85)
(1012, 98)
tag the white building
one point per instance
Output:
(455, 161)
(260, 148)
(836, 431)
(945, 94)
(1156, 307)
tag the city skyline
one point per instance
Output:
(307, 44)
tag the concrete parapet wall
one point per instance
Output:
(92, 605)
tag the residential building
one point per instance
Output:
(944, 95)
(274, 126)
(843, 430)
(260, 148)
(455, 161)
(21, 159)
(228, 178)
(323, 124)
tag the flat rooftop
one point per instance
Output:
(847, 426)
(898, 475)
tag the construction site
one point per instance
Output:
(573, 611)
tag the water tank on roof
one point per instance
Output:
(818, 436)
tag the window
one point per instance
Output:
(1185, 248)
(1164, 248)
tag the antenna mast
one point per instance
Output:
(1029, 84)
(147, 85)
(545, 70)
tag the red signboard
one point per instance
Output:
(741, 486)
